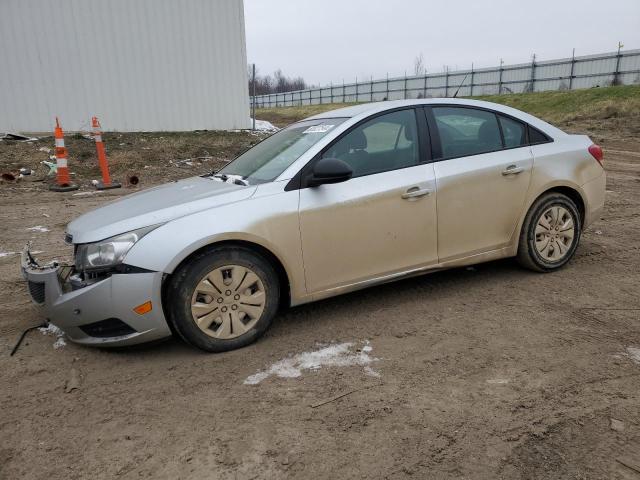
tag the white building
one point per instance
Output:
(138, 65)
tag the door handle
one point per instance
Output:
(512, 170)
(416, 192)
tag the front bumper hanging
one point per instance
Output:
(101, 313)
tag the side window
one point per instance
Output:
(467, 131)
(387, 142)
(536, 136)
(514, 132)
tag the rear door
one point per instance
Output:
(483, 166)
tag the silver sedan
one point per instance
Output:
(331, 204)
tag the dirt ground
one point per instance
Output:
(486, 372)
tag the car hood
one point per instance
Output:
(155, 206)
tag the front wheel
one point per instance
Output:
(550, 233)
(223, 299)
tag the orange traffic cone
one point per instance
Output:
(63, 181)
(106, 182)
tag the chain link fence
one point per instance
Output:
(613, 68)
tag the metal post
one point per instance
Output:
(371, 90)
(500, 78)
(387, 97)
(424, 89)
(253, 102)
(533, 73)
(356, 89)
(573, 64)
(616, 75)
(344, 93)
(405, 84)
(446, 81)
(331, 92)
(310, 98)
(471, 86)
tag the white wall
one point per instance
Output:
(139, 65)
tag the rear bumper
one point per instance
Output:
(100, 314)
(594, 192)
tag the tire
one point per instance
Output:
(541, 229)
(223, 299)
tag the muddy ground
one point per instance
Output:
(488, 372)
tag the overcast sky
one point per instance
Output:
(328, 40)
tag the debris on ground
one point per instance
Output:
(617, 425)
(634, 354)
(338, 355)
(73, 382)
(339, 396)
(53, 168)
(16, 137)
(51, 329)
(7, 254)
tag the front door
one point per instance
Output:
(383, 220)
(483, 175)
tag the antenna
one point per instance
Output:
(460, 86)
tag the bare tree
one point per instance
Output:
(418, 65)
(278, 83)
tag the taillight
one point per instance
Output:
(597, 153)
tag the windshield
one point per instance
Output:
(268, 159)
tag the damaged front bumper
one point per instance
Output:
(101, 313)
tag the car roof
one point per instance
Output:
(363, 110)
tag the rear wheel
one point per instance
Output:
(550, 233)
(223, 299)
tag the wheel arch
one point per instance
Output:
(573, 194)
(571, 191)
(266, 253)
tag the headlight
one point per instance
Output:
(110, 252)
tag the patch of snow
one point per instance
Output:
(38, 228)
(51, 329)
(338, 355)
(264, 126)
(634, 354)
(371, 372)
(7, 254)
(86, 194)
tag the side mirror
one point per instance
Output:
(329, 170)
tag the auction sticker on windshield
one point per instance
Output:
(322, 128)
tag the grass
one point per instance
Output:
(558, 107)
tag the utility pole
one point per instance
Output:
(253, 103)
(616, 75)
(573, 64)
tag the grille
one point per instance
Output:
(37, 291)
(111, 327)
